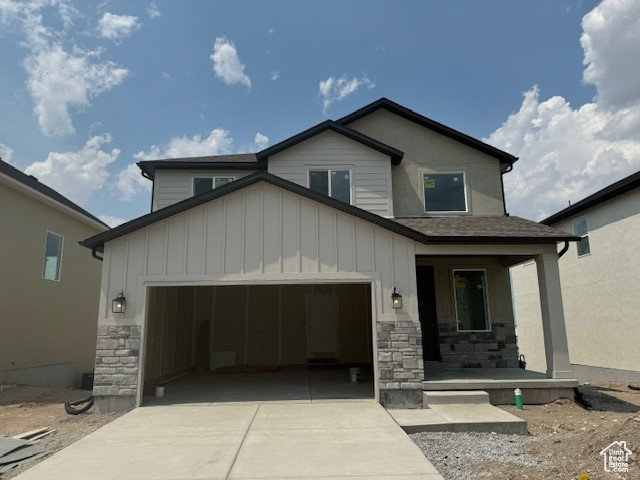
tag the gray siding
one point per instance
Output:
(370, 170)
(173, 186)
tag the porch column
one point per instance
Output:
(555, 333)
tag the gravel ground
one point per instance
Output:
(453, 453)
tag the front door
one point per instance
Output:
(428, 312)
(321, 326)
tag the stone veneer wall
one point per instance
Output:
(400, 366)
(115, 382)
(495, 349)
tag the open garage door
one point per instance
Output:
(258, 343)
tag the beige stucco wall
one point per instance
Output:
(426, 151)
(600, 291)
(44, 322)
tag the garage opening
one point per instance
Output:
(238, 343)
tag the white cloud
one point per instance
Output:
(217, 142)
(334, 89)
(130, 181)
(111, 220)
(153, 11)
(59, 80)
(117, 27)
(568, 153)
(5, 153)
(611, 44)
(260, 141)
(226, 63)
(77, 175)
(275, 75)
(270, 31)
(59, 77)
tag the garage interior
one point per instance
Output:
(243, 343)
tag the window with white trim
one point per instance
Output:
(204, 184)
(580, 229)
(444, 192)
(333, 183)
(52, 256)
(472, 307)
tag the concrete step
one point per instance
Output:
(452, 397)
(459, 418)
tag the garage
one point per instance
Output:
(252, 342)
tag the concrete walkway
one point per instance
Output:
(258, 441)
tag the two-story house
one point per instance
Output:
(379, 240)
(49, 284)
(600, 277)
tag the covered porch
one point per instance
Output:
(468, 327)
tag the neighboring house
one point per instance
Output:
(600, 278)
(49, 285)
(298, 254)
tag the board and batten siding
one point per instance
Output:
(173, 186)
(370, 169)
(260, 232)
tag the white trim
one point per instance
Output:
(485, 284)
(332, 168)
(213, 180)
(44, 261)
(446, 212)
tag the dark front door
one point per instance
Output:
(428, 313)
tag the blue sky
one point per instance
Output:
(86, 89)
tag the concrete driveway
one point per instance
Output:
(258, 441)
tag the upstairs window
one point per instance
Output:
(333, 183)
(580, 229)
(204, 184)
(52, 256)
(444, 192)
(472, 310)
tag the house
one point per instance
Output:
(600, 276)
(378, 240)
(49, 285)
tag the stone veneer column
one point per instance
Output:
(115, 382)
(400, 366)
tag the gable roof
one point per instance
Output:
(395, 154)
(32, 183)
(408, 229)
(404, 112)
(236, 161)
(614, 190)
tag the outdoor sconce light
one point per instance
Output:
(396, 299)
(119, 304)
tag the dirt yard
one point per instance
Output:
(25, 408)
(565, 441)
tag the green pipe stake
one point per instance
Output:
(518, 393)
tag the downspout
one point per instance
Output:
(504, 201)
(153, 186)
(564, 249)
(95, 255)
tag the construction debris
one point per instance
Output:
(19, 448)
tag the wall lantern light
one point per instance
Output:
(119, 304)
(396, 299)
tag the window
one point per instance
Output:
(444, 192)
(52, 257)
(204, 184)
(472, 309)
(333, 183)
(580, 229)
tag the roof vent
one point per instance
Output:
(31, 176)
